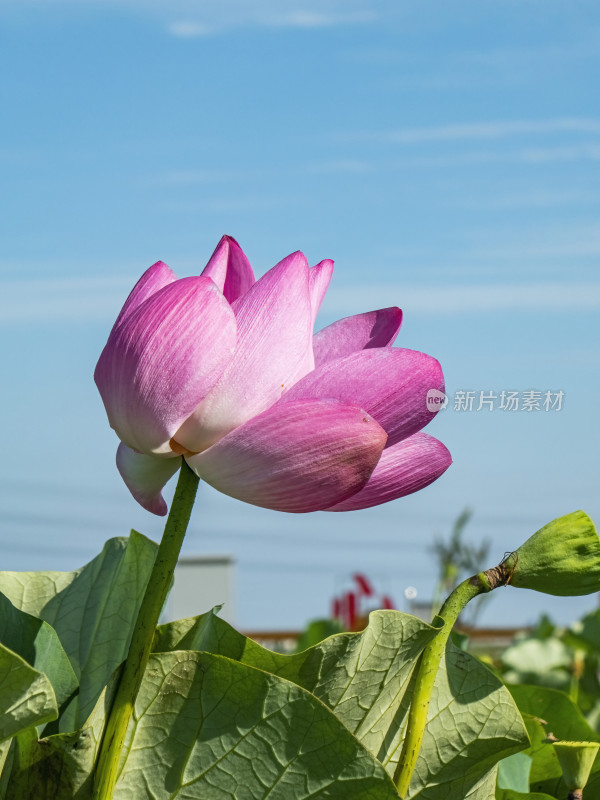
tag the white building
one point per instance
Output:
(201, 582)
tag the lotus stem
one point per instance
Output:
(427, 669)
(107, 768)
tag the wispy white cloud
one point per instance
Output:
(340, 166)
(362, 167)
(217, 17)
(552, 154)
(500, 129)
(307, 19)
(469, 298)
(526, 198)
(517, 59)
(61, 299)
(529, 155)
(190, 177)
(99, 299)
(545, 243)
(188, 19)
(534, 254)
(318, 19)
(491, 65)
(189, 29)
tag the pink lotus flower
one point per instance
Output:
(225, 371)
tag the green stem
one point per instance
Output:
(427, 669)
(107, 768)
(576, 675)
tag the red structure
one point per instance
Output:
(352, 608)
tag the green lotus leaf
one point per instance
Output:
(26, 696)
(208, 727)
(585, 632)
(545, 662)
(57, 767)
(93, 611)
(365, 678)
(537, 655)
(38, 643)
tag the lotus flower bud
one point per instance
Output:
(576, 760)
(562, 558)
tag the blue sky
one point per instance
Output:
(446, 155)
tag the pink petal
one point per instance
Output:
(155, 278)
(163, 360)
(145, 477)
(230, 269)
(390, 383)
(295, 457)
(319, 279)
(405, 468)
(362, 331)
(274, 320)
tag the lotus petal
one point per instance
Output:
(319, 280)
(390, 383)
(274, 321)
(230, 269)
(295, 457)
(163, 360)
(145, 476)
(362, 331)
(404, 468)
(155, 278)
